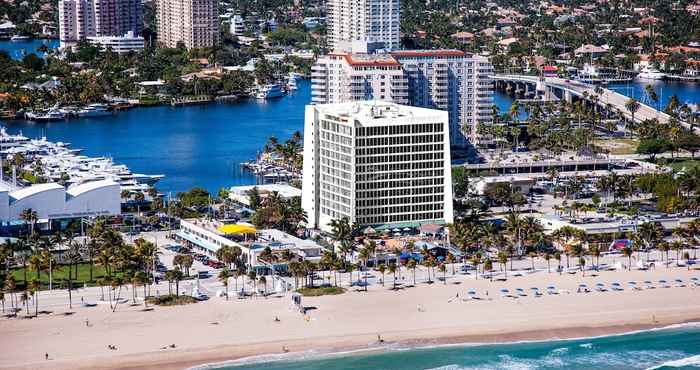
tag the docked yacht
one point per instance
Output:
(45, 116)
(291, 83)
(94, 110)
(269, 91)
(19, 38)
(651, 73)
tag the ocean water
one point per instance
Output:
(18, 49)
(676, 347)
(196, 145)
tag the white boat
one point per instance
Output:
(291, 83)
(45, 116)
(269, 91)
(19, 38)
(650, 73)
(94, 110)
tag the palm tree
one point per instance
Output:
(632, 105)
(627, 252)
(476, 260)
(30, 217)
(392, 270)
(382, 269)
(140, 279)
(11, 288)
(443, 269)
(412, 266)
(488, 266)
(451, 260)
(263, 281)
(34, 288)
(503, 260)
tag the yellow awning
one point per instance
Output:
(236, 229)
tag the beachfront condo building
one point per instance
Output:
(376, 163)
(80, 19)
(448, 80)
(194, 23)
(372, 23)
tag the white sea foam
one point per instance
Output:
(586, 345)
(601, 358)
(687, 361)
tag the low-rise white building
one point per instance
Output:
(52, 201)
(376, 163)
(241, 194)
(119, 44)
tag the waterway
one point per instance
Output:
(204, 145)
(197, 145)
(686, 92)
(18, 49)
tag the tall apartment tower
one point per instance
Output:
(363, 25)
(80, 19)
(448, 80)
(376, 163)
(195, 23)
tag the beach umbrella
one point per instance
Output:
(406, 229)
(471, 292)
(369, 230)
(396, 230)
(504, 292)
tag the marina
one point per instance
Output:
(58, 162)
(193, 145)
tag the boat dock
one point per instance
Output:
(191, 100)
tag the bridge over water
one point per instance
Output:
(551, 87)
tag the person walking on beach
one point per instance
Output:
(46, 355)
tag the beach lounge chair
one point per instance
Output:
(616, 287)
(679, 283)
(520, 292)
(600, 287)
(505, 293)
(583, 288)
(649, 285)
(551, 289)
(694, 282)
(663, 283)
(536, 292)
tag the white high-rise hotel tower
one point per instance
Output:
(366, 64)
(376, 163)
(363, 21)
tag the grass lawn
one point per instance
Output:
(319, 291)
(618, 146)
(60, 273)
(171, 300)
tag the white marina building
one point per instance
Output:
(52, 201)
(449, 80)
(376, 163)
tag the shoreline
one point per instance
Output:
(231, 355)
(219, 332)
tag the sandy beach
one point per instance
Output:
(220, 330)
